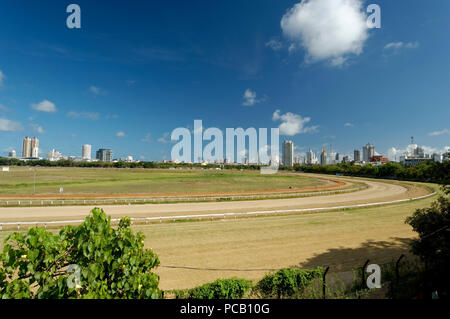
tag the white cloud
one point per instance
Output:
(85, 115)
(147, 138)
(293, 124)
(96, 90)
(396, 46)
(37, 128)
(250, 98)
(329, 30)
(9, 126)
(437, 133)
(348, 124)
(2, 78)
(164, 139)
(274, 44)
(3, 108)
(394, 153)
(44, 106)
(111, 116)
(120, 134)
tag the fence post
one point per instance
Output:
(363, 277)
(397, 276)
(324, 282)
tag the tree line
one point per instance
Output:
(424, 172)
(429, 171)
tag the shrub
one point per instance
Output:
(234, 288)
(112, 262)
(286, 282)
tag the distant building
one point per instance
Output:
(311, 158)
(419, 152)
(357, 155)
(323, 157)
(12, 154)
(379, 159)
(54, 155)
(446, 156)
(26, 147)
(30, 147)
(413, 161)
(104, 155)
(298, 160)
(368, 152)
(288, 153)
(34, 147)
(346, 159)
(86, 152)
(129, 159)
(436, 158)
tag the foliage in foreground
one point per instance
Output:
(286, 283)
(433, 245)
(112, 262)
(234, 288)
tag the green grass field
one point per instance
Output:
(341, 239)
(20, 181)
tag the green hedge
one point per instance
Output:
(234, 288)
(286, 282)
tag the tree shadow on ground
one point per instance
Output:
(346, 259)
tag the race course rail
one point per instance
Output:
(225, 215)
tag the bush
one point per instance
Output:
(433, 244)
(112, 262)
(234, 288)
(287, 282)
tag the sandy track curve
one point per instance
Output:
(377, 191)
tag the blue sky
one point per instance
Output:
(144, 68)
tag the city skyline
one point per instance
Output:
(414, 154)
(126, 85)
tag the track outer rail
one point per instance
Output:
(224, 215)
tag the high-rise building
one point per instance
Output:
(288, 153)
(357, 155)
(86, 152)
(104, 155)
(26, 147)
(12, 154)
(368, 152)
(310, 158)
(54, 155)
(436, 157)
(34, 147)
(323, 157)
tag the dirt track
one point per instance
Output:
(377, 191)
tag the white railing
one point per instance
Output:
(223, 215)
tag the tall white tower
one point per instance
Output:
(86, 152)
(34, 147)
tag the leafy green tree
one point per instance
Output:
(112, 262)
(433, 245)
